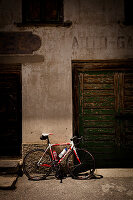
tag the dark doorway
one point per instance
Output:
(10, 110)
(103, 110)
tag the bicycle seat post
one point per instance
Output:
(48, 141)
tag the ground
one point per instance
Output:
(51, 189)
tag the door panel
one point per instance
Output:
(97, 113)
(10, 111)
(105, 116)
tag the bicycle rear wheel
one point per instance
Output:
(81, 167)
(36, 164)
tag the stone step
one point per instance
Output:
(10, 166)
(8, 181)
(10, 170)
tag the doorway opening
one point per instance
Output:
(10, 111)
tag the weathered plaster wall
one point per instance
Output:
(97, 32)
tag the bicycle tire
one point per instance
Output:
(30, 167)
(83, 170)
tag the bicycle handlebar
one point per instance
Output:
(76, 139)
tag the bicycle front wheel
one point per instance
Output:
(81, 165)
(37, 164)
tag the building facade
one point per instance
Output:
(67, 69)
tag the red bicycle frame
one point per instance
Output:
(72, 147)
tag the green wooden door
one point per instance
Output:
(105, 116)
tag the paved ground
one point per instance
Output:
(101, 189)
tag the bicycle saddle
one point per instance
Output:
(44, 136)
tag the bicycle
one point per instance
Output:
(40, 163)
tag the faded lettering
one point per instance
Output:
(130, 42)
(121, 42)
(75, 43)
